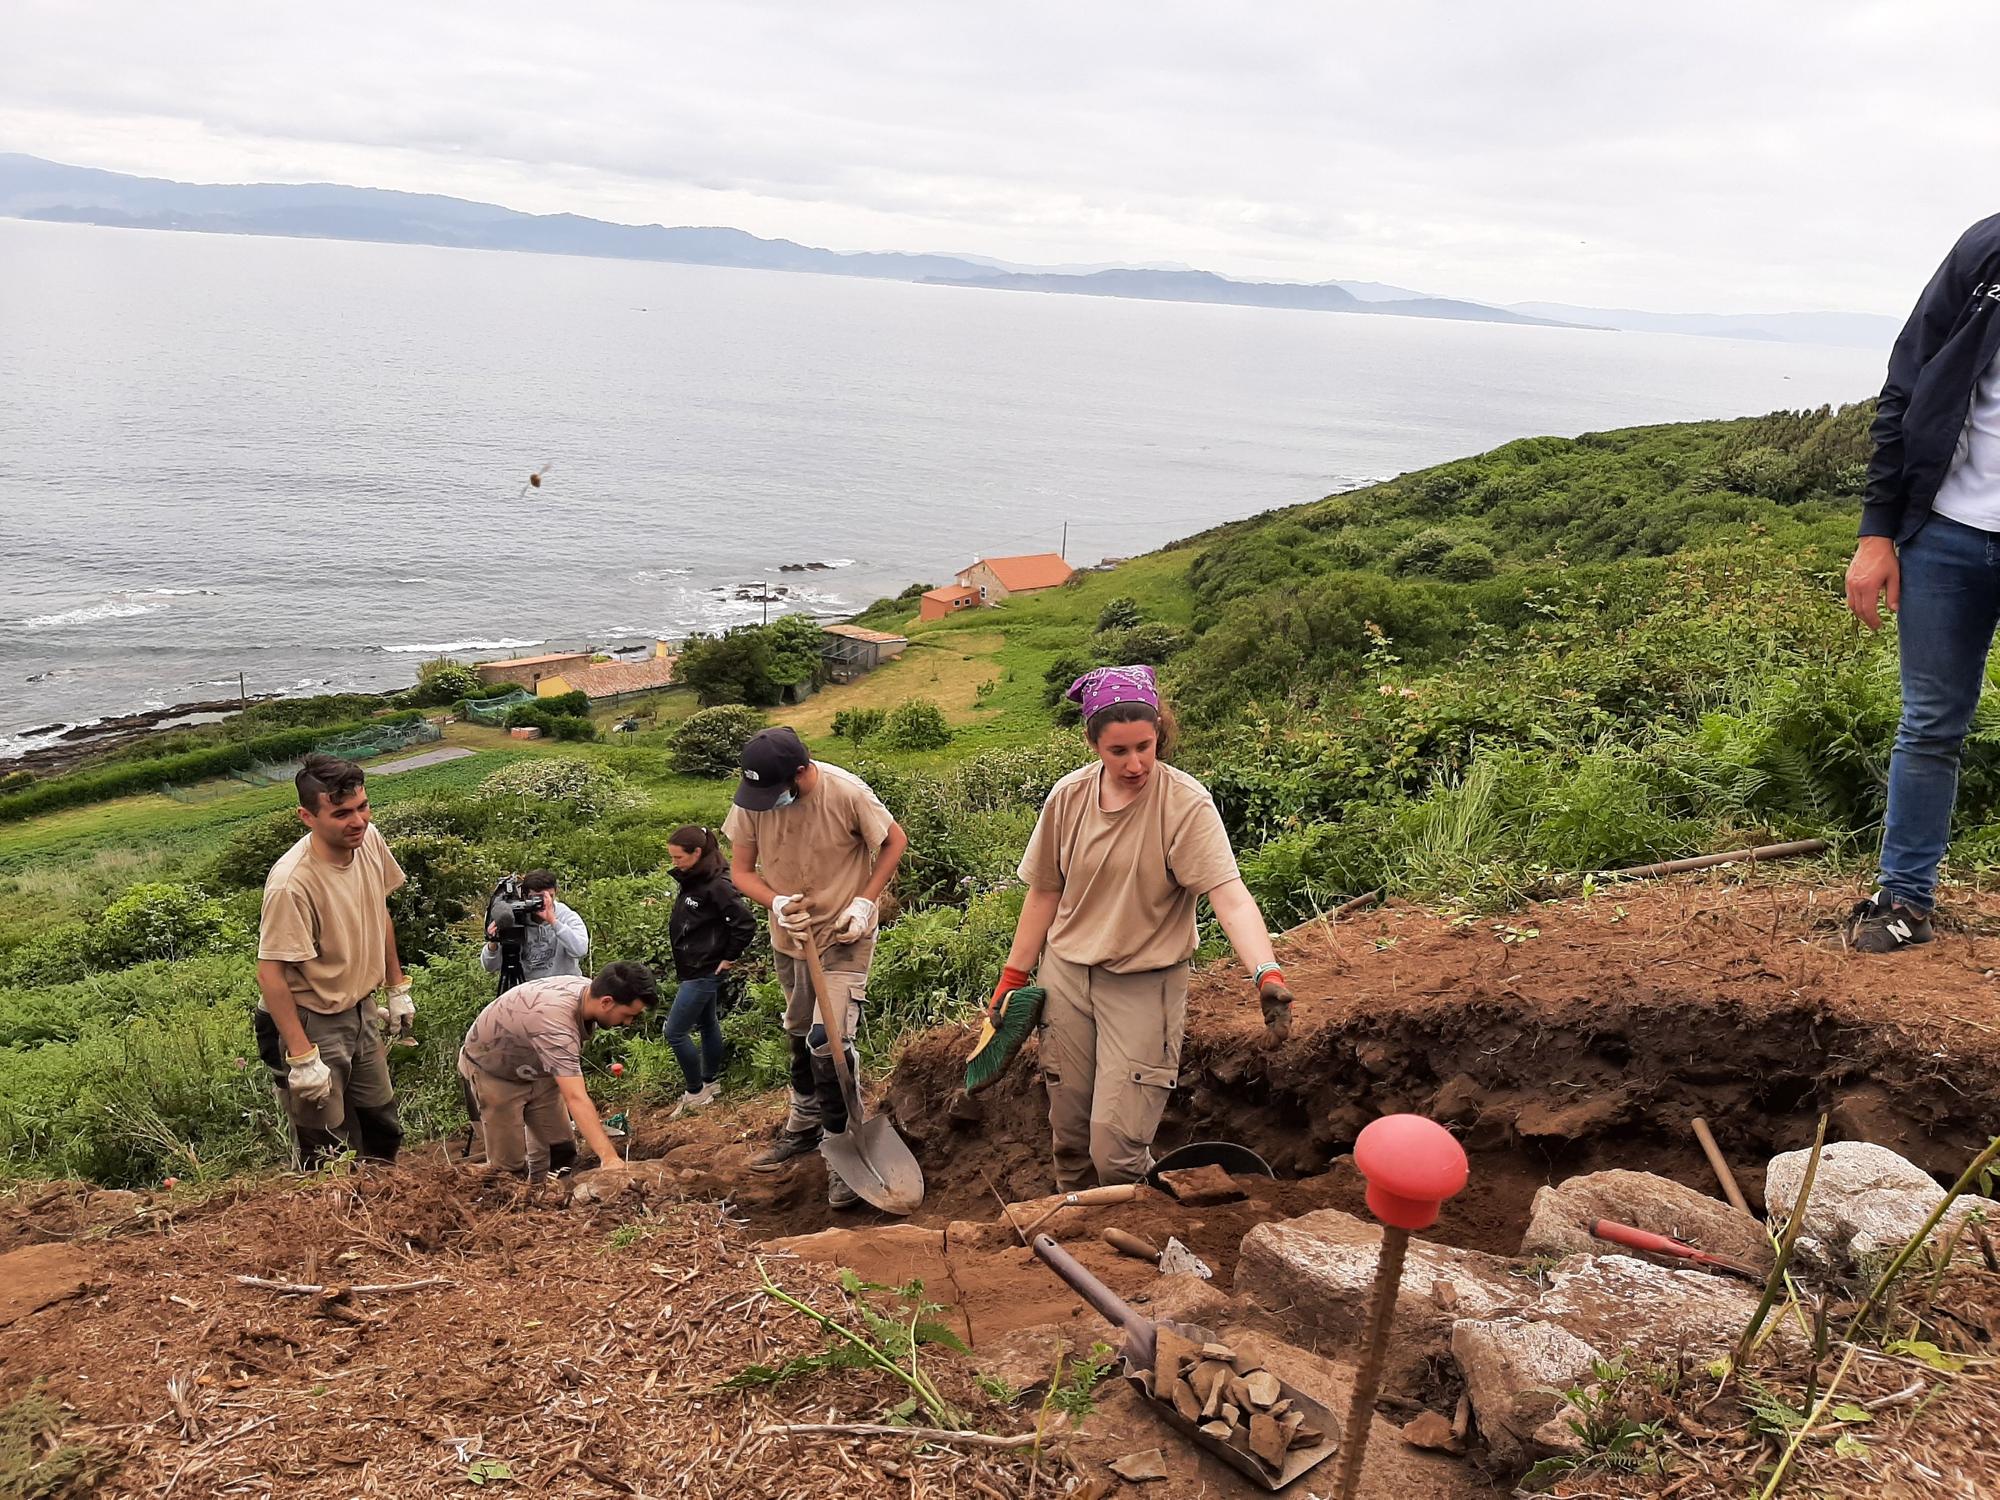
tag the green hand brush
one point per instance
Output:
(997, 1045)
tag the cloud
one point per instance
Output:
(1708, 156)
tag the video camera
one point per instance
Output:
(510, 911)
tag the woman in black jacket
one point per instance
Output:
(710, 929)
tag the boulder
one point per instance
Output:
(1515, 1370)
(1318, 1272)
(1866, 1200)
(1559, 1212)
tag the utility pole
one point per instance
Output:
(1064, 554)
(764, 595)
(242, 696)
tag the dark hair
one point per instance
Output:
(326, 776)
(1161, 718)
(539, 880)
(625, 982)
(694, 836)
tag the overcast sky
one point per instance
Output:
(1702, 156)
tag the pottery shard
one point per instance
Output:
(1218, 1392)
(1196, 1185)
(1185, 1401)
(1207, 1378)
(1231, 1413)
(1292, 1424)
(1171, 1354)
(1139, 1467)
(1262, 1389)
(1217, 1430)
(1306, 1437)
(1236, 1391)
(1218, 1351)
(1267, 1440)
(1430, 1430)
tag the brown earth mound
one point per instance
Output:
(583, 1350)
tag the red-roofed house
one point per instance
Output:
(613, 681)
(531, 671)
(998, 578)
(937, 603)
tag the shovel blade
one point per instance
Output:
(877, 1163)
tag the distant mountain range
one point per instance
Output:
(31, 188)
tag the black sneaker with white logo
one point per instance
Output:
(1885, 925)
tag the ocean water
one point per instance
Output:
(306, 461)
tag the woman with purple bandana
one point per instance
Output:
(1123, 850)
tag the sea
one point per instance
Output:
(303, 465)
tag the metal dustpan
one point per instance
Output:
(869, 1155)
(1141, 1346)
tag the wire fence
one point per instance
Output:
(382, 739)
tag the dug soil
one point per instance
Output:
(584, 1349)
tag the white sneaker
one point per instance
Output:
(701, 1099)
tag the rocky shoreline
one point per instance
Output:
(81, 742)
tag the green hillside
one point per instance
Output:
(1493, 679)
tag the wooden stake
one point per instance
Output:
(1719, 1166)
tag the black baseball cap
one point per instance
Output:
(772, 761)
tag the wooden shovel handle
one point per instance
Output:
(836, 1039)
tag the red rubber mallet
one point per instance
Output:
(1411, 1166)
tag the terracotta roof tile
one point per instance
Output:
(1041, 570)
(611, 678)
(863, 633)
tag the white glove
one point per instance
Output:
(856, 922)
(402, 1013)
(791, 913)
(309, 1079)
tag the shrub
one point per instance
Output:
(857, 724)
(914, 724)
(576, 703)
(16, 781)
(157, 920)
(581, 788)
(1423, 552)
(246, 859)
(556, 726)
(57, 956)
(1121, 613)
(443, 681)
(628, 920)
(1148, 645)
(444, 882)
(710, 743)
(1466, 563)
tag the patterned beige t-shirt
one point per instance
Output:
(1129, 879)
(535, 1030)
(328, 924)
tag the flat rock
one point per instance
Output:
(839, 1245)
(1866, 1200)
(37, 1276)
(1431, 1430)
(1515, 1369)
(1137, 1468)
(1199, 1185)
(1318, 1272)
(1644, 1201)
(1026, 1357)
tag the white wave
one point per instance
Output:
(416, 580)
(654, 575)
(12, 745)
(123, 607)
(176, 593)
(445, 648)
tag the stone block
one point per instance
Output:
(1645, 1201)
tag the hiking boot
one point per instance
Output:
(699, 1100)
(789, 1144)
(1885, 925)
(838, 1193)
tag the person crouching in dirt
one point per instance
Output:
(523, 1060)
(815, 845)
(710, 930)
(1120, 854)
(325, 944)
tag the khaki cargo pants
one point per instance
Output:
(1110, 1055)
(359, 1115)
(524, 1122)
(816, 1101)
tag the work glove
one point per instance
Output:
(792, 914)
(1011, 979)
(309, 1079)
(1276, 1000)
(402, 1015)
(857, 922)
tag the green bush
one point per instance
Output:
(1121, 613)
(753, 664)
(57, 955)
(857, 724)
(158, 920)
(247, 855)
(556, 726)
(1423, 553)
(444, 881)
(936, 965)
(581, 788)
(1147, 645)
(65, 1006)
(575, 704)
(710, 743)
(1468, 562)
(914, 724)
(16, 781)
(628, 921)
(443, 682)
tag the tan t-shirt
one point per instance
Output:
(824, 844)
(328, 925)
(1129, 879)
(535, 1030)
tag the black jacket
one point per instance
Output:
(710, 925)
(1937, 361)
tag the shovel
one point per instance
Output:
(869, 1156)
(1140, 1352)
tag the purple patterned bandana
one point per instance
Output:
(1096, 691)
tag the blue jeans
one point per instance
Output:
(1950, 604)
(696, 1007)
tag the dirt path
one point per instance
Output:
(586, 1349)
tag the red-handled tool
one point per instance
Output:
(1660, 1244)
(1412, 1165)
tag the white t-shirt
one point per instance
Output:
(1970, 494)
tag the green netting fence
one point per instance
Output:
(494, 710)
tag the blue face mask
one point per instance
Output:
(785, 799)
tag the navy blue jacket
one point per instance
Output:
(1942, 351)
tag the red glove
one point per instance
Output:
(1011, 979)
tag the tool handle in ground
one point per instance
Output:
(1375, 1347)
(1661, 1244)
(836, 1039)
(1123, 1192)
(1719, 1165)
(1132, 1245)
(1141, 1338)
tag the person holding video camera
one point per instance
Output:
(525, 913)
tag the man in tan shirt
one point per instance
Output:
(815, 845)
(325, 944)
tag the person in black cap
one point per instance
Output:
(815, 845)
